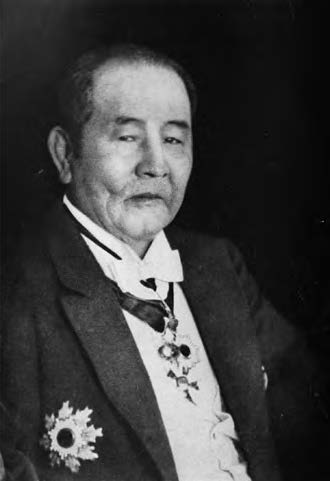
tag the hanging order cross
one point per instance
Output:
(178, 351)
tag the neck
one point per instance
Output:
(139, 247)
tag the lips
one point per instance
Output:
(146, 196)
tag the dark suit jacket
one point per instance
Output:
(66, 339)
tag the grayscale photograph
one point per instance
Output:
(165, 236)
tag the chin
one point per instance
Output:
(147, 230)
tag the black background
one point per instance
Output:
(261, 172)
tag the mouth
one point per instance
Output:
(145, 196)
(146, 199)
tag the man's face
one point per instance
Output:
(136, 151)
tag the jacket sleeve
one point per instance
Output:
(19, 370)
(274, 333)
(299, 417)
(18, 467)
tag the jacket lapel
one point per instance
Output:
(228, 335)
(95, 315)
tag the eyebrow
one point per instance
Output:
(182, 124)
(124, 120)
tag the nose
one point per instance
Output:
(153, 162)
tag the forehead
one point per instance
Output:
(140, 88)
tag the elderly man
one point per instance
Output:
(131, 353)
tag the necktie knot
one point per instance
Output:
(150, 283)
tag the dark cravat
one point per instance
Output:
(150, 311)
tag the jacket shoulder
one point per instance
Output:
(200, 247)
(30, 266)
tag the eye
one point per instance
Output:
(172, 140)
(127, 138)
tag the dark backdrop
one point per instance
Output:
(261, 172)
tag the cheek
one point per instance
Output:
(111, 177)
(181, 173)
(107, 164)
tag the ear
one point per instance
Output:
(60, 149)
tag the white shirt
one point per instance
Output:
(200, 433)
